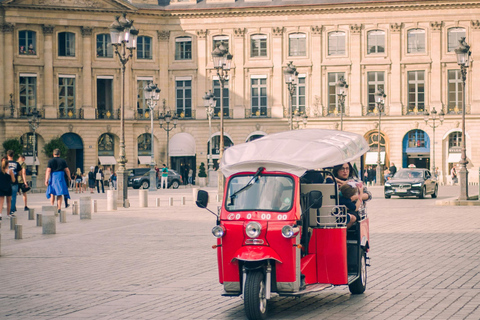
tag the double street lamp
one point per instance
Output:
(123, 36)
(433, 117)
(34, 122)
(165, 119)
(380, 101)
(209, 103)
(151, 94)
(341, 88)
(463, 59)
(291, 79)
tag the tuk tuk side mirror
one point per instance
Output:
(315, 198)
(202, 199)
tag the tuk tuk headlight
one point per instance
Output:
(289, 231)
(218, 231)
(253, 229)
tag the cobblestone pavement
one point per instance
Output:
(157, 263)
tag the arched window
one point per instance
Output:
(106, 145)
(336, 43)
(455, 140)
(373, 141)
(104, 46)
(416, 41)
(27, 42)
(297, 44)
(144, 144)
(454, 35)
(216, 144)
(27, 142)
(417, 139)
(376, 41)
(254, 137)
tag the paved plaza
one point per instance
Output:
(157, 263)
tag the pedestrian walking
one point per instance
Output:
(190, 176)
(372, 176)
(78, 181)
(113, 179)
(55, 182)
(91, 179)
(6, 179)
(99, 179)
(22, 181)
(453, 174)
(15, 167)
(84, 182)
(164, 177)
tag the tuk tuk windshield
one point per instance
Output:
(265, 193)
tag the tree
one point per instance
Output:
(201, 171)
(55, 143)
(13, 144)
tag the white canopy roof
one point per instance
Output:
(182, 145)
(294, 151)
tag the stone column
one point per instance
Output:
(50, 111)
(88, 108)
(394, 108)
(435, 96)
(7, 74)
(238, 93)
(315, 83)
(203, 83)
(277, 81)
(475, 72)
(353, 100)
(163, 55)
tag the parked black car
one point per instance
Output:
(143, 180)
(411, 182)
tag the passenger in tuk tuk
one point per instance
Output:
(346, 195)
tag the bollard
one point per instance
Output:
(18, 231)
(31, 214)
(157, 202)
(39, 219)
(63, 216)
(94, 206)
(13, 222)
(51, 209)
(194, 192)
(218, 198)
(48, 223)
(170, 201)
(183, 201)
(75, 207)
(111, 200)
(85, 208)
(143, 198)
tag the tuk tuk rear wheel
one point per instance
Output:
(359, 285)
(255, 299)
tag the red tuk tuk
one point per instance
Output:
(280, 233)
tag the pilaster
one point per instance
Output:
(163, 37)
(277, 79)
(394, 83)
(50, 112)
(88, 109)
(238, 92)
(436, 68)
(7, 74)
(353, 103)
(475, 69)
(205, 84)
(316, 78)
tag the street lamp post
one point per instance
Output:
(123, 36)
(433, 116)
(463, 59)
(222, 60)
(34, 122)
(291, 78)
(209, 103)
(341, 88)
(165, 119)
(380, 101)
(152, 94)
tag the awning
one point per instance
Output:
(107, 160)
(182, 145)
(144, 159)
(29, 161)
(372, 158)
(454, 157)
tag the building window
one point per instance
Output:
(416, 92)
(144, 144)
(455, 140)
(104, 46)
(226, 98)
(336, 43)
(66, 44)
(28, 95)
(416, 41)
(416, 139)
(298, 97)
(376, 41)
(183, 48)
(297, 44)
(258, 45)
(183, 90)
(333, 103)
(218, 39)
(66, 97)
(455, 92)
(376, 81)
(27, 42)
(106, 145)
(454, 35)
(259, 97)
(144, 48)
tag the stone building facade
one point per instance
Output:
(55, 57)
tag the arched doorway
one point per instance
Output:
(144, 149)
(215, 138)
(106, 151)
(255, 135)
(28, 149)
(416, 149)
(74, 156)
(182, 153)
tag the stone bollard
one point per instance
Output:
(157, 202)
(195, 192)
(48, 223)
(51, 209)
(94, 206)
(63, 216)
(31, 214)
(18, 231)
(85, 208)
(75, 208)
(111, 200)
(13, 222)
(143, 198)
(219, 198)
(39, 219)
(170, 201)
(183, 201)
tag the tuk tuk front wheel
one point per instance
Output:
(359, 285)
(255, 299)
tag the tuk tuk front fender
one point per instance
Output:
(256, 253)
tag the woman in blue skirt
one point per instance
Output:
(55, 180)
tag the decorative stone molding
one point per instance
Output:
(87, 31)
(239, 32)
(48, 29)
(277, 31)
(163, 35)
(436, 26)
(70, 3)
(109, 128)
(396, 27)
(356, 28)
(202, 34)
(476, 24)
(7, 27)
(70, 127)
(316, 29)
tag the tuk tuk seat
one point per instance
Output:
(324, 217)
